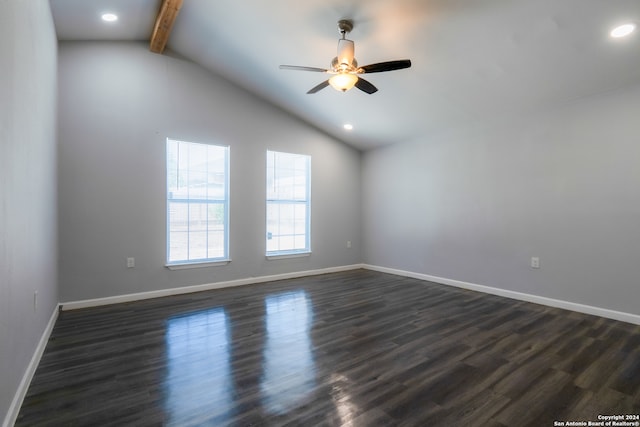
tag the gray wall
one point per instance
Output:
(475, 206)
(27, 185)
(118, 104)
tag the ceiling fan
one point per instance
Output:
(344, 67)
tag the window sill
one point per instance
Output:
(291, 255)
(190, 265)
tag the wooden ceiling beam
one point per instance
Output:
(164, 23)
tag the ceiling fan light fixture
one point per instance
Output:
(344, 67)
(343, 81)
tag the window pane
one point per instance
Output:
(272, 244)
(216, 244)
(197, 231)
(300, 220)
(197, 184)
(178, 231)
(215, 231)
(216, 186)
(300, 188)
(286, 243)
(286, 219)
(300, 242)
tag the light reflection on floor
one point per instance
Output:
(289, 373)
(345, 408)
(199, 351)
(199, 372)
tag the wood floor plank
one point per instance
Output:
(357, 348)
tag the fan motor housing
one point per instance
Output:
(345, 26)
(336, 65)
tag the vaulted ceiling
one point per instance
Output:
(475, 62)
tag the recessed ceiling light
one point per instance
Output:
(109, 17)
(623, 30)
(348, 126)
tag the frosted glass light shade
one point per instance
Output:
(343, 81)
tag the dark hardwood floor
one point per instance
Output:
(358, 348)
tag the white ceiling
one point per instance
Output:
(474, 61)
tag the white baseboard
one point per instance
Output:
(18, 398)
(581, 308)
(74, 305)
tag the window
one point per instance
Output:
(288, 203)
(197, 202)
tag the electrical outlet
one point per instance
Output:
(535, 262)
(349, 244)
(131, 262)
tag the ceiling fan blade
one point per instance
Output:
(300, 68)
(386, 66)
(319, 87)
(365, 86)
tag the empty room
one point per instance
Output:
(320, 213)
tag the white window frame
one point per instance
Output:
(271, 175)
(224, 201)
